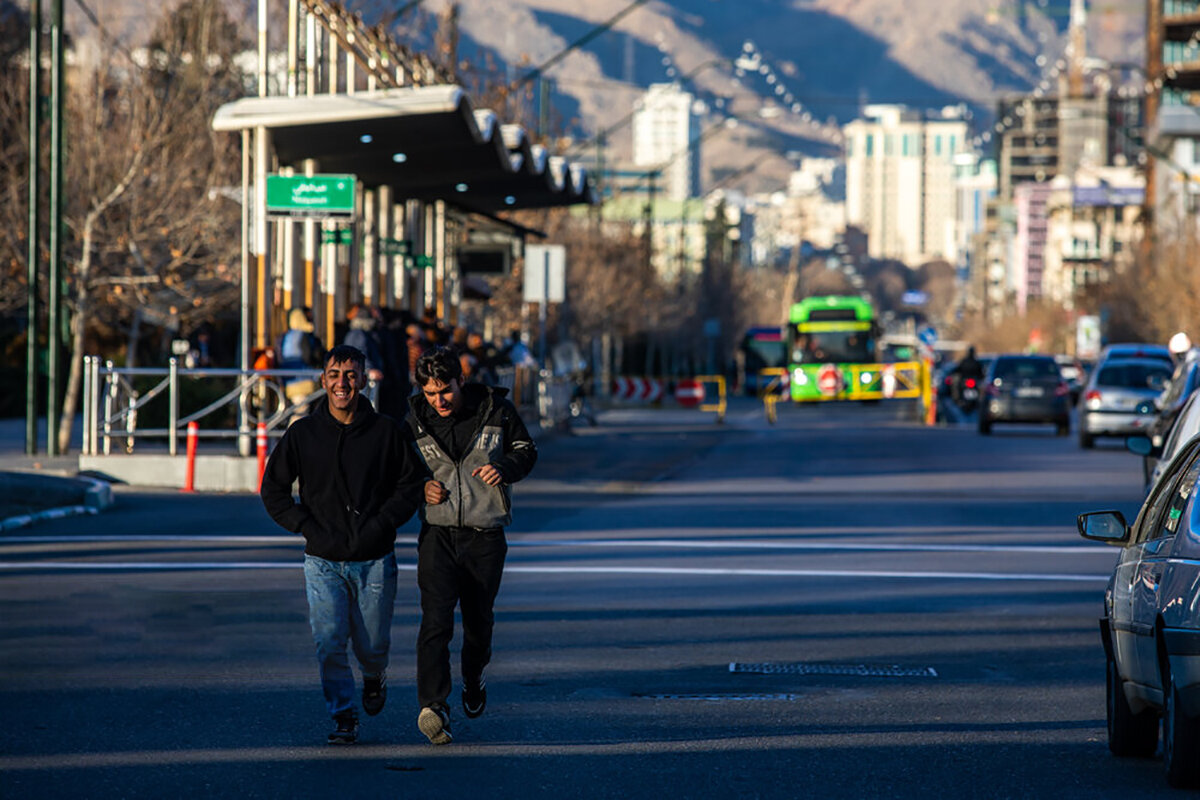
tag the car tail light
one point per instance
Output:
(970, 383)
(1093, 399)
(1062, 390)
(949, 379)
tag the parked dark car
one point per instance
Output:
(1150, 627)
(1115, 399)
(1023, 388)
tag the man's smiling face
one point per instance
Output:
(342, 381)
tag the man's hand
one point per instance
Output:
(489, 475)
(435, 493)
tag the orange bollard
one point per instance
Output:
(189, 475)
(261, 442)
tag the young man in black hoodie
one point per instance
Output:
(474, 446)
(359, 481)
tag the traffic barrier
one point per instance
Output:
(646, 390)
(189, 474)
(718, 406)
(260, 441)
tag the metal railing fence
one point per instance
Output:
(113, 398)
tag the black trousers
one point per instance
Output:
(455, 566)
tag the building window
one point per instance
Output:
(870, 145)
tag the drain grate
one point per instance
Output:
(854, 670)
(715, 697)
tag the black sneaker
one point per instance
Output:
(474, 696)
(374, 694)
(347, 728)
(434, 722)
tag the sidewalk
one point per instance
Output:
(34, 487)
(14, 458)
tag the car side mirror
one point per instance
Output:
(1142, 446)
(1104, 526)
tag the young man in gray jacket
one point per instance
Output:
(474, 446)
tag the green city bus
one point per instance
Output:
(831, 349)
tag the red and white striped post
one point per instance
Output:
(261, 441)
(189, 473)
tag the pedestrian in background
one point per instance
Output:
(359, 481)
(300, 349)
(474, 446)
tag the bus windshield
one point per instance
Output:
(831, 346)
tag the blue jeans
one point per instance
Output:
(350, 601)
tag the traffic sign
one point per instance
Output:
(338, 236)
(689, 392)
(928, 335)
(829, 380)
(310, 196)
(395, 247)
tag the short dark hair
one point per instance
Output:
(439, 364)
(345, 352)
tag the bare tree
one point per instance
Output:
(151, 231)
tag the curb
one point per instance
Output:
(12, 523)
(97, 497)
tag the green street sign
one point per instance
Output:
(338, 236)
(310, 196)
(423, 262)
(395, 247)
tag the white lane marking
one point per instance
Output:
(179, 566)
(683, 544)
(730, 544)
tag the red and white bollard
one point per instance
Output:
(189, 473)
(260, 441)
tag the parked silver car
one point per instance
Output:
(1150, 627)
(1112, 401)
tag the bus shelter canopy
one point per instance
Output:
(426, 142)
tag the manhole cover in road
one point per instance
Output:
(715, 697)
(855, 670)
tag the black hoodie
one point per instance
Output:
(358, 483)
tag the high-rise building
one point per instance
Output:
(666, 136)
(900, 180)
(1173, 60)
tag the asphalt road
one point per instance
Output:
(842, 605)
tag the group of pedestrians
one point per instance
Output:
(452, 459)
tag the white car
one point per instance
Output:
(1158, 457)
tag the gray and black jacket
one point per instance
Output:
(488, 430)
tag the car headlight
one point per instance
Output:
(866, 378)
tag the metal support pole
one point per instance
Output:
(244, 360)
(173, 406)
(54, 290)
(35, 165)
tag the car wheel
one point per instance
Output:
(1181, 741)
(985, 426)
(1086, 440)
(1129, 734)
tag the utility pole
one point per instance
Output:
(35, 165)
(54, 282)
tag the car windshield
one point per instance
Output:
(1009, 369)
(1133, 376)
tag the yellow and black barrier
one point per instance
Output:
(904, 380)
(721, 404)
